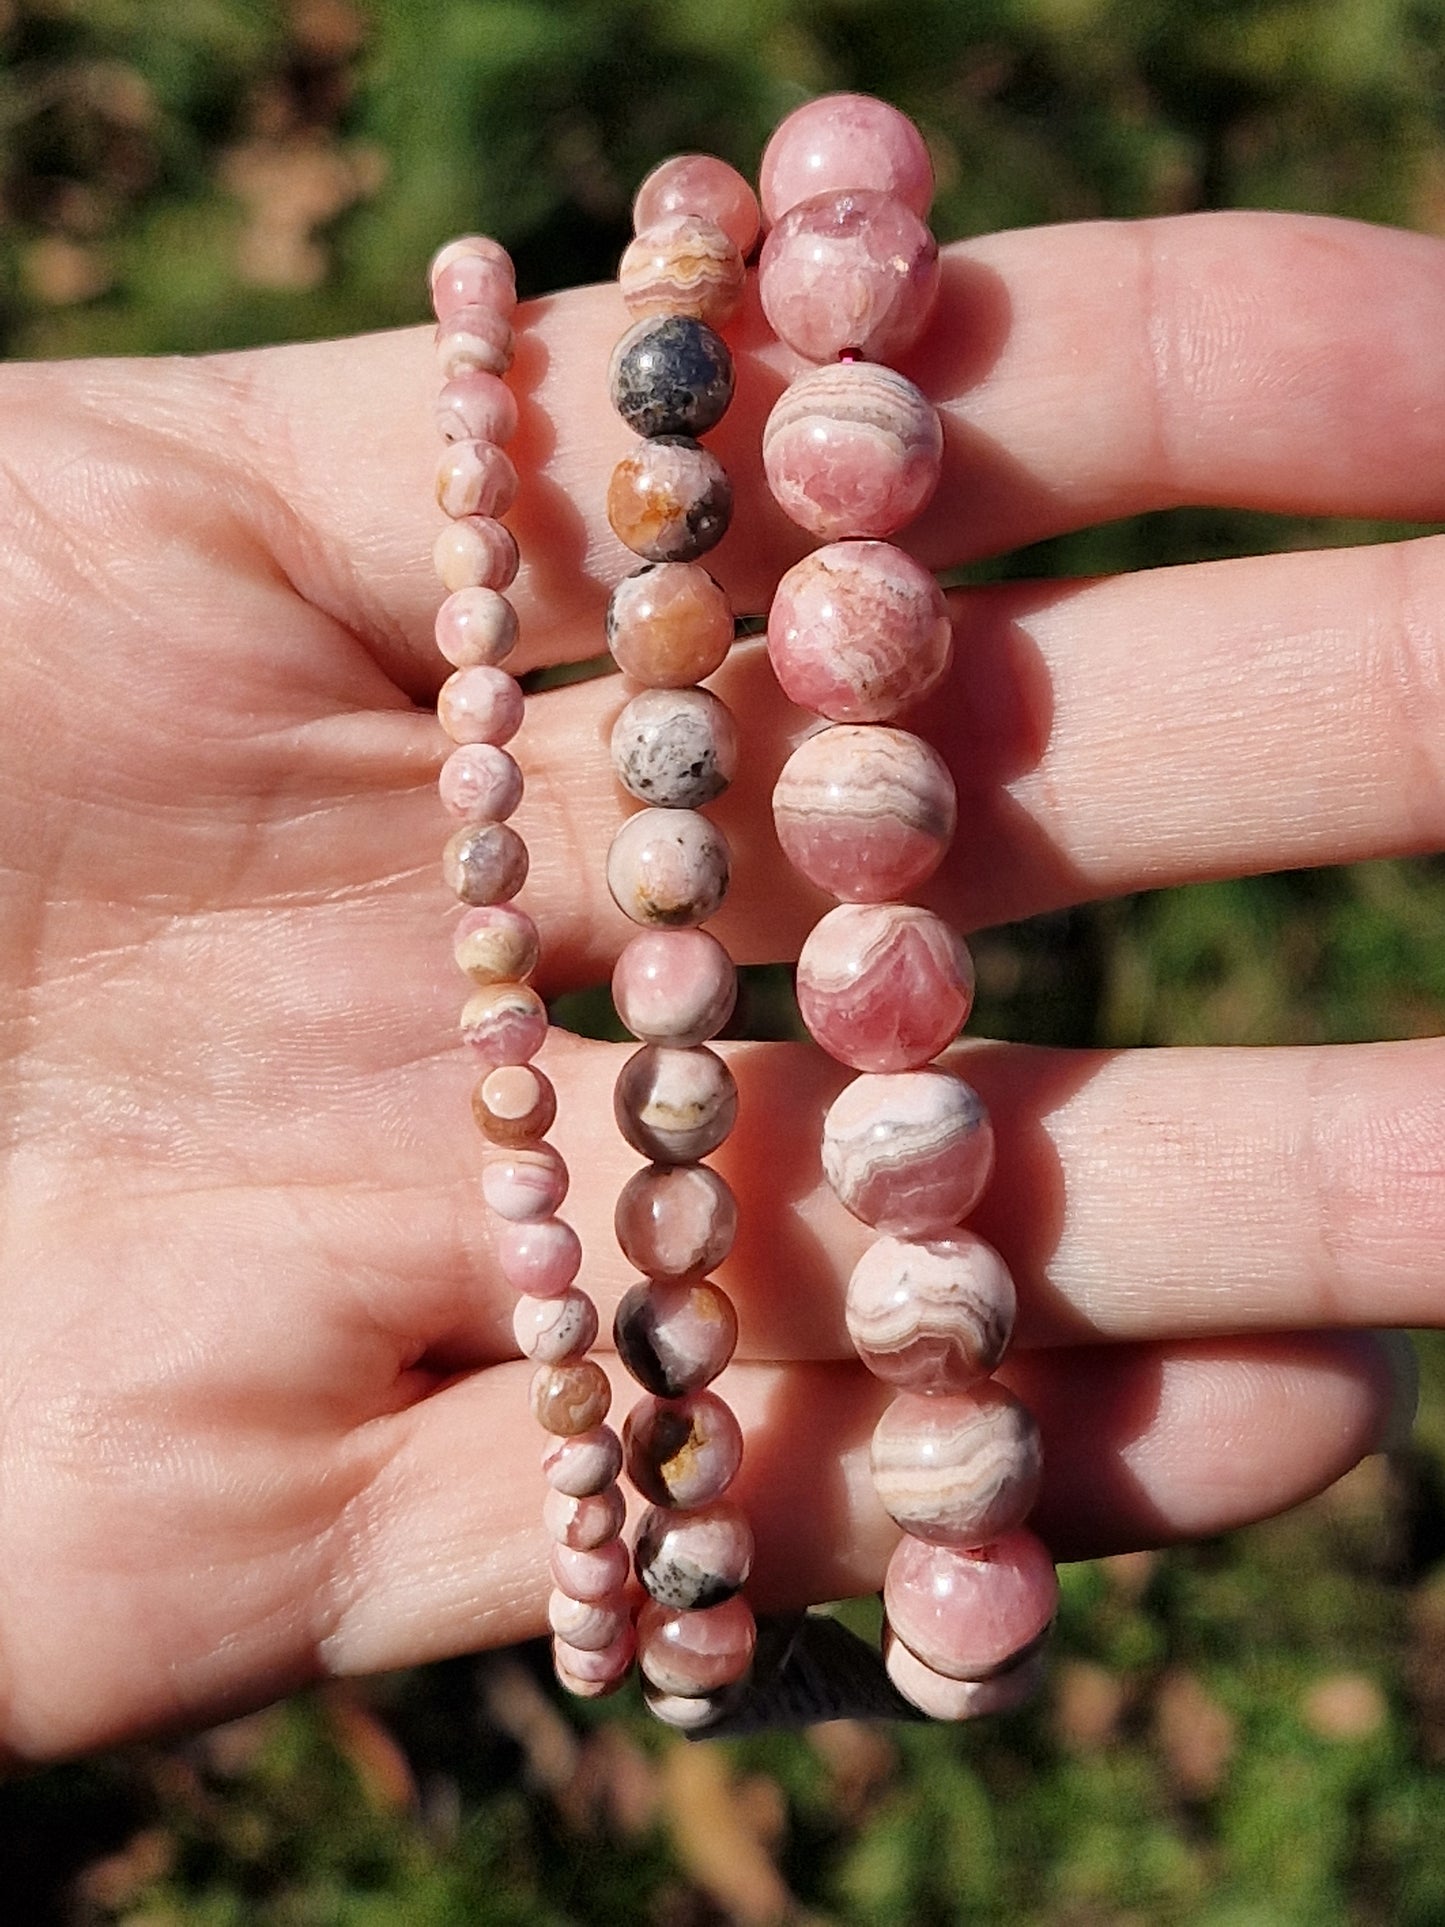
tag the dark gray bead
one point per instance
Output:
(671, 375)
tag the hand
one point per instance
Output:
(263, 1414)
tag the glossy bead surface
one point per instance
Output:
(682, 264)
(505, 1023)
(669, 625)
(674, 987)
(523, 1183)
(474, 338)
(674, 1106)
(675, 1337)
(496, 944)
(670, 375)
(968, 1614)
(584, 1524)
(514, 1104)
(669, 500)
(480, 783)
(688, 1560)
(931, 1315)
(587, 1624)
(552, 1330)
(476, 626)
(586, 1463)
(694, 1653)
(703, 185)
(586, 1574)
(682, 1452)
(858, 632)
(910, 1153)
(478, 552)
(477, 407)
(674, 1220)
(541, 1258)
(960, 1470)
(475, 478)
(668, 868)
(471, 260)
(482, 246)
(864, 811)
(853, 449)
(845, 273)
(942, 1698)
(884, 986)
(485, 863)
(571, 1398)
(844, 140)
(676, 749)
(475, 281)
(594, 1675)
(481, 705)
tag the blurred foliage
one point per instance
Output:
(1243, 1734)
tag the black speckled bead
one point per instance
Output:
(671, 375)
(675, 1336)
(691, 1560)
(675, 748)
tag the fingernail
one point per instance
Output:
(1404, 1369)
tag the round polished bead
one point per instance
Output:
(692, 1560)
(884, 986)
(478, 552)
(496, 944)
(570, 1398)
(505, 1023)
(668, 868)
(475, 478)
(674, 987)
(589, 1522)
(674, 1106)
(594, 1675)
(581, 1465)
(959, 1470)
(474, 281)
(674, 1220)
(969, 1614)
(481, 705)
(910, 1153)
(478, 246)
(942, 1698)
(675, 1337)
(703, 185)
(480, 783)
(682, 1452)
(858, 632)
(931, 1315)
(840, 141)
(485, 863)
(524, 1183)
(476, 627)
(514, 1104)
(692, 1715)
(552, 1330)
(864, 811)
(474, 338)
(669, 625)
(588, 1624)
(671, 375)
(669, 500)
(675, 748)
(594, 1573)
(849, 273)
(541, 1258)
(682, 264)
(695, 1653)
(853, 449)
(477, 407)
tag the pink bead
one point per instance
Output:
(884, 986)
(496, 944)
(699, 184)
(675, 1106)
(541, 1258)
(478, 552)
(593, 1675)
(691, 1715)
(682, 264)
(476, 407)
(842, 141)
(581, 1465)
(474, 281)
(682, 1452)
(514, 1104)
(475, 478)
(931, 1315)
(592, 1574)
(505, 1023)
(851, 273)
(668, 868)
(485, 863)
(961, 1470)
(859, 632)
(853, 449)
(480, 783)
(694, 1653)
(589, 1625)
(673, 1220)
(471, 339)
(675, 1335)
(481, 705)
(674, 987)
(478, 246)
(476, 627)
(553, 1329)
(910, 1153)
(942, 1698)
(585, 1523)
(967, 1614)
(865, 812)
(524, 1184)
(689, 1560)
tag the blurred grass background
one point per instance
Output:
(1248, 1733)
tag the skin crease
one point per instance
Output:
(253, 1327)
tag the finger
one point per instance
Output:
(444, 1551)
(1268, 361)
